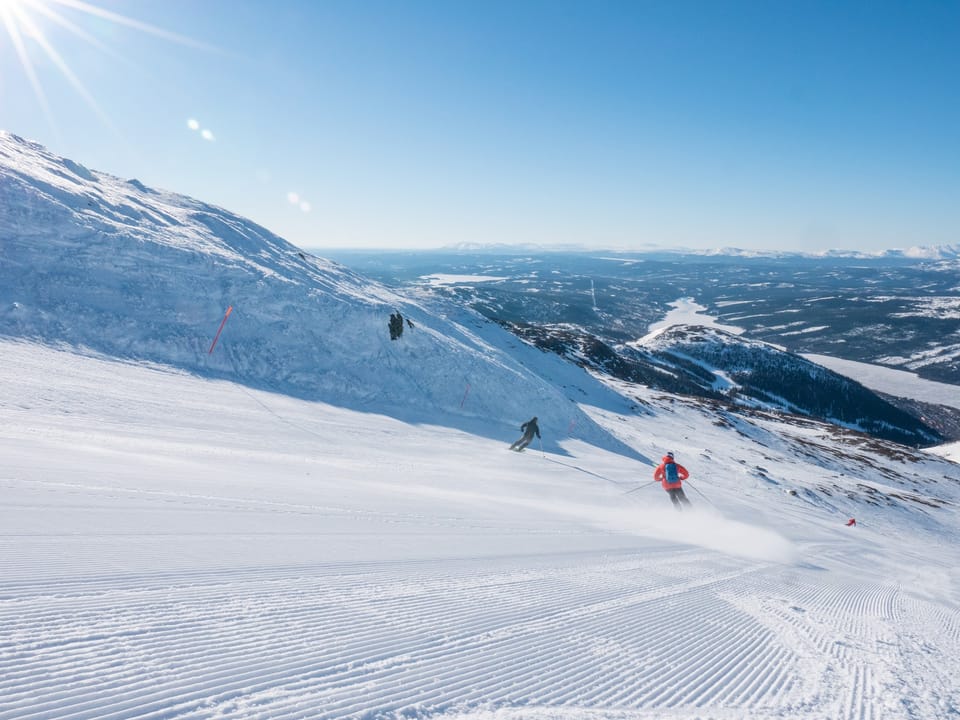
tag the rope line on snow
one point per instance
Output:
(585, 471)
(597, 475)
(275, 414)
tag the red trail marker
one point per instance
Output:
(220, 330)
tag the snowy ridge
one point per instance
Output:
(919, 252)
(712, 364)
(762, 375)
(93, 261)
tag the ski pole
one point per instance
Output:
(699, 491)
(641, 487)
(540, 440)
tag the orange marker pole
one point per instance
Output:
(223, 322)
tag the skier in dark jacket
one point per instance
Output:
(671, 475)
(530, 429)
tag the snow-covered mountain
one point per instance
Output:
(318, 522)
(109, 265)
(919, 252)
(758, 374)
(709, 363)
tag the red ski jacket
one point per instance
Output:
(661, 475)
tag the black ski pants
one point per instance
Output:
(522, 442)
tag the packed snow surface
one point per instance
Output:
(316, 521)
(179, 547)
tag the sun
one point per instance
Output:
(23, 21)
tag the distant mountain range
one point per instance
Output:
(920, 252)
(931, 252)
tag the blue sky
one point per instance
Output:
(775, 125)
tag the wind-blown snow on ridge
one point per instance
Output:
(96, 262)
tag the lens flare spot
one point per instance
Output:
(193, 124)
(305, 206)
(207, 135)
(23, 21)
(293, 198)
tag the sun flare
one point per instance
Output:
(23, 20)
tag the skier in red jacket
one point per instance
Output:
(671, 475)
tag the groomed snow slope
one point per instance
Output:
(178, 547)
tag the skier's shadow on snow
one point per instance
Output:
(481, 427)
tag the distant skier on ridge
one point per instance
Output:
(671, 475)
(530, 428)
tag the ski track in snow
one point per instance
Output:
(348, 638)
(667, 631)
(416, 639)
